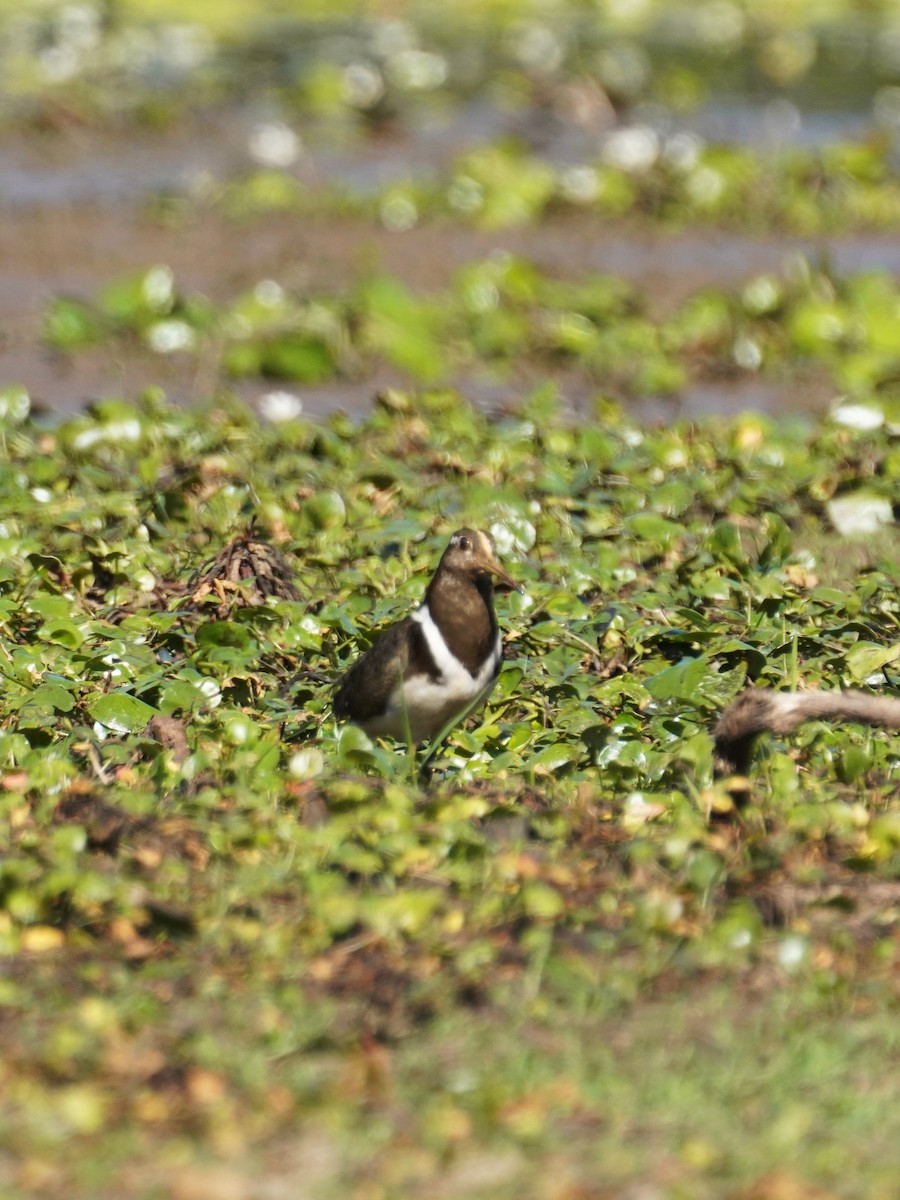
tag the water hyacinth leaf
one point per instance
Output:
(653, 528)
(70, 325)
(65, 633)
(542, 901)
(139, 299)
(325, 510)
(304, 359)
(398, 326)
(736, 646)
(50, 607)
(179, 695)
(406, 913)
(551, 759)
(50, 696)
(120, 712)
(682, 681)
(224, 633)
(853, 762)
(865, 658)
(15, 404)
(725, 540)
(779, 540)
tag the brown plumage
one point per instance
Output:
(758, 710)
(438, 661)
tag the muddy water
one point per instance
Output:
(74, 214)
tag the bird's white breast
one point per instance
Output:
(427, 704)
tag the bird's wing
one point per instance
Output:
(367, 687)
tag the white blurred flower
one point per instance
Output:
(635, 149)
(398, 213)
(465, 195)
(186, 47)
(858, 416)
(536, 45)
(418, 70)
(747, 354)
(280, 406)
(126, 430)
(705, 185)
(158, 288)
(15, 404)
(59, 63)
(580, 184)
(211, 691)
(79, 26)
(682, 150)
(859, 512)
(512, 534)
(792, 950)
(719, 23)
(165, 337)
(274, 144)
(269, 293)
(362, 85)
(306, 763)
(762, 294)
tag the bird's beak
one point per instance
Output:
(491, 565)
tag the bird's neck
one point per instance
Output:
(463, 611)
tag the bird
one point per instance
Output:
(761, 710)
(439, 662)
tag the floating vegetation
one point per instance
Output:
(502, 315)
(181, 806)
(374, 64)
(243, 952)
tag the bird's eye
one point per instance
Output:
(465, 544)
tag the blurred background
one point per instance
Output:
(684, 208)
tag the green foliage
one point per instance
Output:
(661, 571)
(502, 312)
(241, 946)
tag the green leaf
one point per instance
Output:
(304, 359)
(542, 901)
(64, 633)
(865, 658)
(398, 326)
(50, 696)
(853, 762)
(679, 682)
(224, 633)
(70, 325)
(121, 712)
(552, 758)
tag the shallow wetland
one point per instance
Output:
(288, 296)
